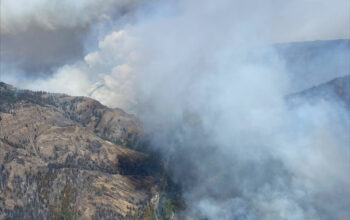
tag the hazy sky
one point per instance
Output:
(39, 36)
(48, 44)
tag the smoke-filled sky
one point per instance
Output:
(47, 44)
(208, 83)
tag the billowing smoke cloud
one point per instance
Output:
(212, 98)
(211, 94)
(106, 74)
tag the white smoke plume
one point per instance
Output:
(210, 90)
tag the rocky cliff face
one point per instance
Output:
(66, 157)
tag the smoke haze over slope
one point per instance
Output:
(210, 91)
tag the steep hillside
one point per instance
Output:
(65, 157)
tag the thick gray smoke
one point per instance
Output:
(211, 94)
(38, 36)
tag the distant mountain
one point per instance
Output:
(336, 90)
(66, 157)
(315, 62)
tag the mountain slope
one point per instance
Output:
(64, 157)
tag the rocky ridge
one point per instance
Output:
(66, 157)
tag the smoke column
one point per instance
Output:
(212, 97)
